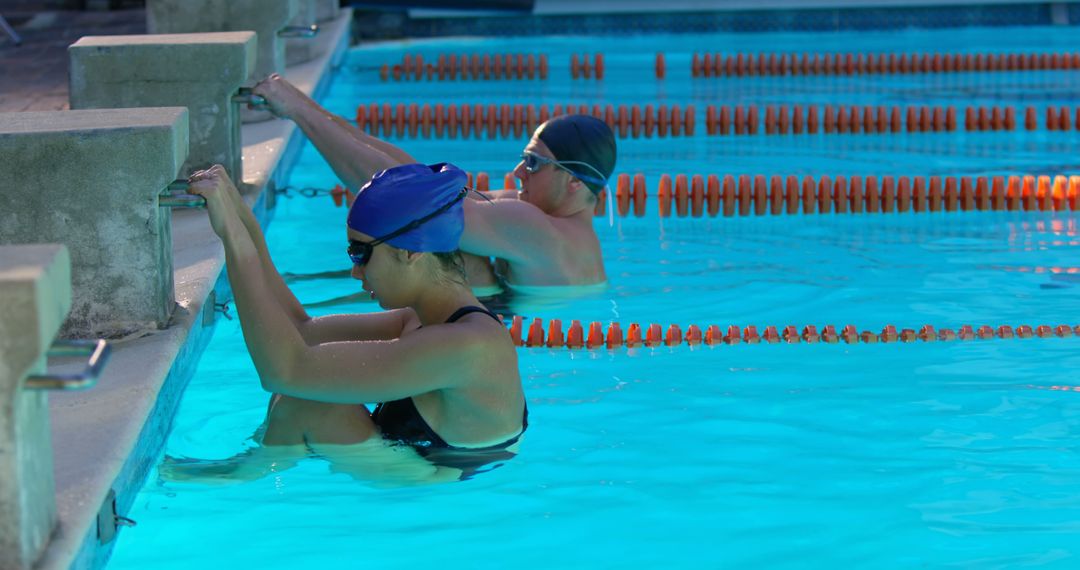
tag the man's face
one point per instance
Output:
(546, 187)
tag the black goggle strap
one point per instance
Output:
(419, 221)
(480, 194)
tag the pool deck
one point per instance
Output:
(34, 75)
(108, 437)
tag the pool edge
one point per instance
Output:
(94, 453)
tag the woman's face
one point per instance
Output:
(384, 275)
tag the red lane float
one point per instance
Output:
(675, 121)
(453, 67)
(499, 120)
(740, 64)
(655, 335)
(696, 195)
(798, 119)
(504, 120)
(580, 68)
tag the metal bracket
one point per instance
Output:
(108, 521)
(176, 195)
(223, 308)
(245, 96)
(299, 31)
(98, 352)
(208, 309)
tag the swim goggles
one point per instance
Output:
(360, 251)
(534, 162)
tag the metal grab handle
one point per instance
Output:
(99, 352)
(299, 31)
(245, 96)
(176, 196)
(191, 201)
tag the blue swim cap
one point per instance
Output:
(398, 196)
(581, 139)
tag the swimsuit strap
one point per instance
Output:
(468, 309)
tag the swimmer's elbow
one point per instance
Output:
(276, 384)
(281, 374)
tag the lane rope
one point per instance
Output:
(507, 66)
(462, 67)
(576, 336)
(765, 64)
(760, 195)
(505, 120)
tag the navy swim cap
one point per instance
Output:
(581, 138)
(400, 195)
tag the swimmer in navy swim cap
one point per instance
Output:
(442, 366)
(541, 237)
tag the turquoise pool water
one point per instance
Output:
(746, 456)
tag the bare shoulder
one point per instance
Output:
(482, 341)
(528, 222)
(495, 195)
(510, 229)
(509, 206)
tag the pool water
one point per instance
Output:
(898, 455)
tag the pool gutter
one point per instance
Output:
(109, 437)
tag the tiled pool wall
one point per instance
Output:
(398, 24)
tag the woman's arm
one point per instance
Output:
(354, 155)
(272, 278)
(376, 326)
(436, 357)
(340, 372)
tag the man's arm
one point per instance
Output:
(512, 230)
(353, 155)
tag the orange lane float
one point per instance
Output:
(505, 120)
(797, 119)
(453, 67)
(656, 335)
(580, 68)
(648, 120)
(683, 195)
(740, 64)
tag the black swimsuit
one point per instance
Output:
(401, 422)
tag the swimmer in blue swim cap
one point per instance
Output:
(540, 237)
(442, 366)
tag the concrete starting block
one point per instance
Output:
(91, 180)
(171, 71)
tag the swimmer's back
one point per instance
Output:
(489, 408)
